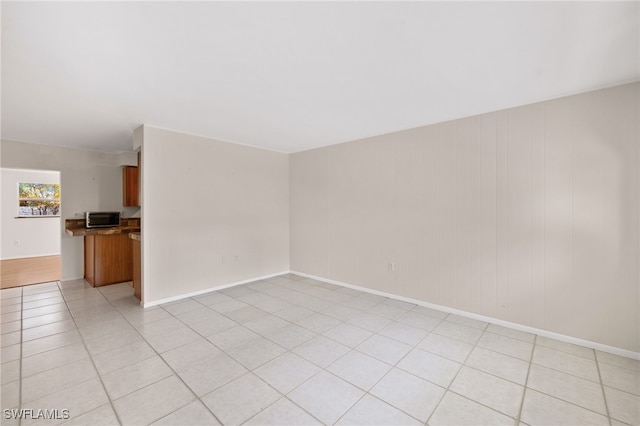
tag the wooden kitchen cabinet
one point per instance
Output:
(108, 259)
(130, 186)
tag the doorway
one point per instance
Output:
(30, 227)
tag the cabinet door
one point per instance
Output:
(130, 186)
(113, 259)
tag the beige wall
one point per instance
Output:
(89, 181)
(213, 213)
(528, 215)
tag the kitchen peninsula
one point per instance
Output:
(108, 252)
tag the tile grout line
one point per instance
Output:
(485, 329)
(39, 353)
(604, 395)
(520, 359)
(278, 400)
(90, 356)
(283, 396)
(175, 373)
(20, 381)
(572, 375)
(435, 407)
(325, 369)
(249, 371)
(395, 365)
(119, 347)
(519, 384)
(114, 299)
(526, 380)
(366, 392)
(462, 365)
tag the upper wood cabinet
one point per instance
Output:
(130, 186)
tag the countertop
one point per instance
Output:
(77, 228)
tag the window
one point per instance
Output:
(38, 199)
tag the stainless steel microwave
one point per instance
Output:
(102, 219)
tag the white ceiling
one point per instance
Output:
(295, 75)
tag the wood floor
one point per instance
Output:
(30, 270)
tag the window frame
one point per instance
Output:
(54, 199)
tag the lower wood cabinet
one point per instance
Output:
(108, 259)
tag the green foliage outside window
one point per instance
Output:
(38, 199)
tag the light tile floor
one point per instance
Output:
(291, 350)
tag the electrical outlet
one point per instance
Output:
(391, 266)
(16, 242)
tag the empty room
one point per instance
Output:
(319, 213)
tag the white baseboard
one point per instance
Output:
(30, 257)
(208, 290)
(540, 332)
